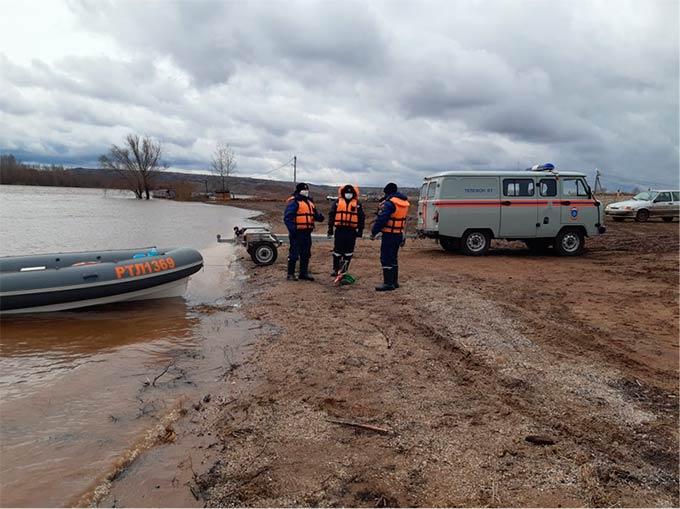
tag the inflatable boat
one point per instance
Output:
(60, 281)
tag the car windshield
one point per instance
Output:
(646, 196)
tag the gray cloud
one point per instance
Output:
(372, 92)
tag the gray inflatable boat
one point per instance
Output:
(55, 282)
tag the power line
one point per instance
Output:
(278, 168)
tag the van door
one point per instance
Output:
(429, 209)
(577, 207)
(548, 208)
(519, 208)
(421, 206)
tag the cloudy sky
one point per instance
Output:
(359, 91)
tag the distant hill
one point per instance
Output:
(261, 188)
(184, 184)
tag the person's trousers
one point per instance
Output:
(389, 250)
(300, 248)
(343, 247)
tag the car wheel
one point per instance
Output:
(475, 243)
(667, 219)
(642, 216)
(618, 219)
(569, 242)
(263, 253)
(448, 244)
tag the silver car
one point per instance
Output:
(647, 205)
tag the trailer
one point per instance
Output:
(261, 243)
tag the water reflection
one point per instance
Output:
(75, 386)
(87, 331)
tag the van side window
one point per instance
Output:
(431, 190)
(518, 187)
(547, 187)
(423, 190)
(573, 187)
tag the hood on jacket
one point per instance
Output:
(354, 189)
(399, 195)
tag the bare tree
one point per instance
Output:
(138, 161)
(223, 163)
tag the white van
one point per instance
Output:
(540, 206)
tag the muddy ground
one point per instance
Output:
(507, 380)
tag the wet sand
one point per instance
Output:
(506, 380)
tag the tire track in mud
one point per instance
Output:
(585, 404)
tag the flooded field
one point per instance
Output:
(83, 392)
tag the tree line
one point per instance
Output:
(15, 172)
(135, 165)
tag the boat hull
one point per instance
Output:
(112, 278)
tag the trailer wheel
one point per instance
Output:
(569, 242)
(475, 242)
(263, 253)
(448, 244)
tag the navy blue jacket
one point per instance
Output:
(386, 209)
(291, 212)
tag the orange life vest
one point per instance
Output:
(346, 213)
(397, 221)
(304, 217)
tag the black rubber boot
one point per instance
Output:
(388, 281)
(396, 276)
(336, 265)
(346, 263)
(304, 271)
(291, 271)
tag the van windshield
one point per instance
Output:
(645, 196)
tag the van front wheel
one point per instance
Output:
(475, 243)
(569, 242)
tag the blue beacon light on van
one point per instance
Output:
(542, 167)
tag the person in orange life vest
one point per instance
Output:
(299, 217)
(348, 218)
(391, 221)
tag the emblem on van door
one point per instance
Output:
(574, 213)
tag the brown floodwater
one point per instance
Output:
(82, 392)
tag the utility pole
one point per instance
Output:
(598, 184)
(295, 170)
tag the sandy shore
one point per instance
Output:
(506, 380)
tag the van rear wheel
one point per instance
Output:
(569, 242)
(475, 242)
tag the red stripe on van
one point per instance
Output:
(514, 203)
